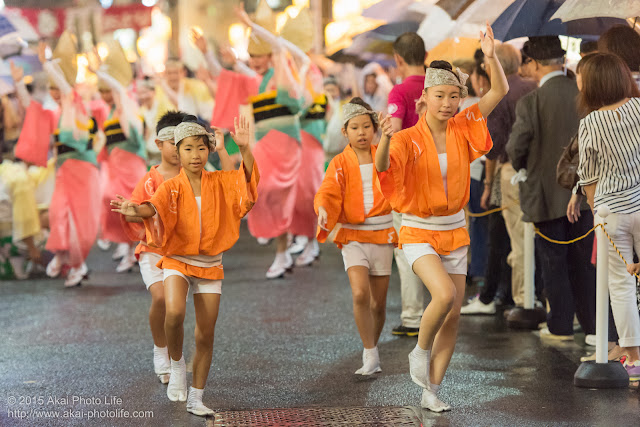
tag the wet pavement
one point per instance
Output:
(85, 356)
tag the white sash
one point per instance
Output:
(374, 223)
(204, 261)
(435, 223)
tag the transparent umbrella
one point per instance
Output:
(582, 9)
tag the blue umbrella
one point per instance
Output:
(528, 18)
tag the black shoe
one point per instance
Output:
(403, 330)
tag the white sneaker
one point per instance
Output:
(281, 264)
(177, 388)
(431, 402)
(127, 262)
(590, 340)
(315, 248)
(370, 362)
(54, 267)
(263, 241)
(103, 244)
(161, 363)
(75, 276)
(299, 245)
(478, 307)
(419, 369)
(195, 405)
(122, 250)
(306, 257)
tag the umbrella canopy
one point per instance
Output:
(528, 18)
(582, 9)
(454, 48)
(10, 41)
(393, 11)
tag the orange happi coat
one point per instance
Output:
(226, 197)
(413, 183)
(341, 195)
(145, 189)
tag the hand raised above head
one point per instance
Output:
(487, 42)
(197, 38)
(242, 134)
(17, 73)
(385, 125)
(242, 14)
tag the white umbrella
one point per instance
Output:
(572, 10)
(474, 18)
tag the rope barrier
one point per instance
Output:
(568, 242)
(492, 211)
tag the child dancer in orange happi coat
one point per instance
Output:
(149, 256)
(194, 218)
(424, 174)
(348, 195)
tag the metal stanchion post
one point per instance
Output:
(601, 373)
(528, 317)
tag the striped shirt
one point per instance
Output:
(609, 144)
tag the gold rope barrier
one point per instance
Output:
(492, 211)
(568, 242)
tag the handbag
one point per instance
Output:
(567, 169)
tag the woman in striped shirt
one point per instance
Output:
(609, 171)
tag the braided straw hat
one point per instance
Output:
(116, 65)
(299, 30)
(65, 53)
(266, 19)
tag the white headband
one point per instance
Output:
(187, 129)
(167, 134)
(440, 77)
(350, 111)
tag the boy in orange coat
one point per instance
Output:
(149, 256)
(424, 174)
(194, 218)
(349, 195)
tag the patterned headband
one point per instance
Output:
(167, 134)
(187, 129)
(350, 111)
(440, 77)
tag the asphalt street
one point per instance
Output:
(285, 352)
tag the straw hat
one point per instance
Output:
(266, 19)
(65, 54)
(299, 30)
(116, 65)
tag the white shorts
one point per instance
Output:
(150, 273)
(377, 258)
(454, 263)
(197, 285)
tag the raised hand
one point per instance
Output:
(203, 74)
(198, 39)
(42, 52)
(17, 73)
(242, 134)
(323, 217)
(487, 42)
(385, 125)
(242, 15)
(124, 206)
(219, 139)
(228, 55)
